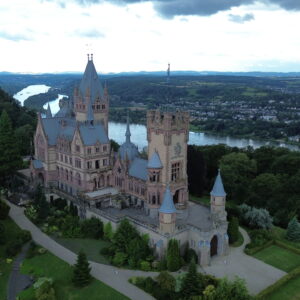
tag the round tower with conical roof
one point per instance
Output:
(167, 213)
(218, 198)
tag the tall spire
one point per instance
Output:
(48, 112)
(127, 134)
(218, 188)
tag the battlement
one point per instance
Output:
(167, 121)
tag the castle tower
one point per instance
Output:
(48, 112)
(90, 99)
(167, 213)
(218, 199)
(167, 134)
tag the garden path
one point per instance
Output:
(114, 277)
(18, 282)
(257, 274)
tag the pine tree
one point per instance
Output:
(191, 283)
(10, 159)
(81, 273)
(173, 256)
(233, 230)
(293, 230)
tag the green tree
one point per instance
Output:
(293, 230)
(173, 256)
(4, 210)
(137, 250)
(45, 292)
(81, 272)
(92, 228)
(10, 159)
(108, 231)
(125, 233)
(233, 230)
(235, 290)
(237, 172)
(24, 135)
(114, 145)
(191, 284)
(2, 234)
(166, 281)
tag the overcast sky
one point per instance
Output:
(134, 35)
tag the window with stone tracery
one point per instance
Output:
(175, 171)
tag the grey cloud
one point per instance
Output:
(171, 8)
(92, 33)
(241, 19)
(16, 37)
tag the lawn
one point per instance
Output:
(90, 246)
(279, 234)
(48, 265)
(289, 291)
(11, 231)
(201, 200)
(279, 257)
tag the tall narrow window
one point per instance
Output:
(175, 172)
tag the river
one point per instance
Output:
(139, 132)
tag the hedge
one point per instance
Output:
(272, 288)
(288, 247)
(257, 249)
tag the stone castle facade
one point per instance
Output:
(74, 159)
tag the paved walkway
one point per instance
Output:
(257, 274)
(18, 282)
(114, 277)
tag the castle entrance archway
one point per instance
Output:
(214, 246)
(41, 178)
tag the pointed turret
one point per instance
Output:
(48, 112)
(218, 188)
(218, 199)
(127, 133)
(167, 213)
(167, 206)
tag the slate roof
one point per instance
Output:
(138, 168)
(167, 206)
(93, 134)
(155, 162)
(90, 81)
(37, 164)
(218, 188)
(54, 128)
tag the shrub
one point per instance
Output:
(119, 259)
(4, 210)
(107, 251)
(45, 291)
(145, 265)
(166, 281)
(60, 203)
(108, 231)
(81, 272)
(32, 251)
(162, 265)
(2, 234)
(92, 228)
(13, 247)
(256, 218)
(24, 236)
(190, 254)
(233, 230)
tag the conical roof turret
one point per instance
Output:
(218, 188)
(154, 161)
(167, 206)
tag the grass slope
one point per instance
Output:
(50, 266)
(11, 231)
(91, 247)
(278, 257)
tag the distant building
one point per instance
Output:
(74, 159)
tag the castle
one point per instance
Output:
(74, 159)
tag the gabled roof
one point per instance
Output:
(155, 162)
(167, 206)
(138, 169)
(218, 188)
(92, 134)
(90, 82)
